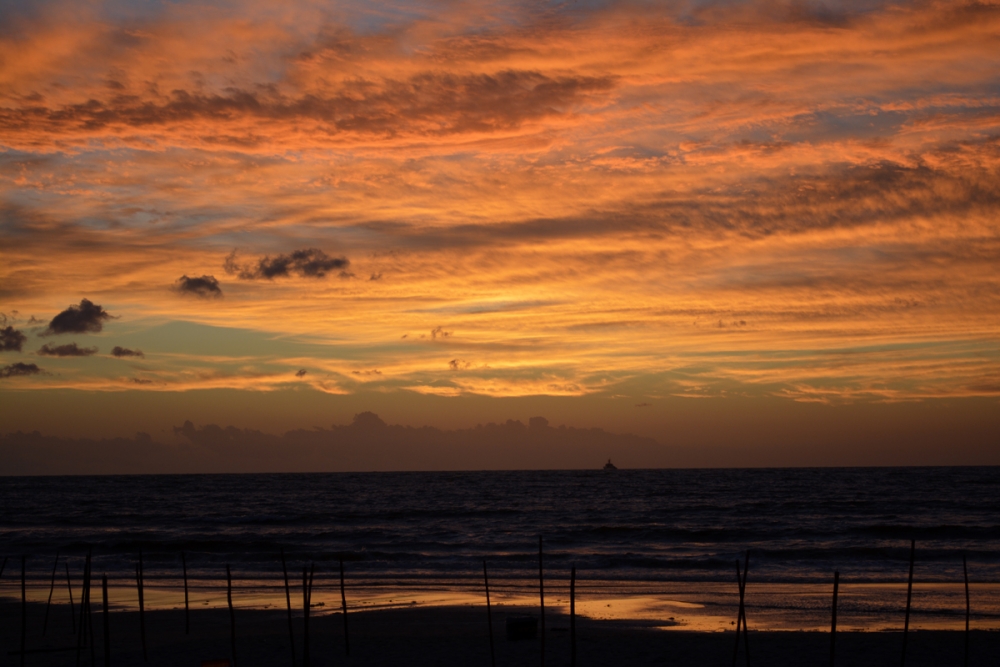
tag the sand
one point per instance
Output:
(457, 635)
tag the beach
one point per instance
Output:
(456, 635)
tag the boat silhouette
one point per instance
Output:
(610, 466)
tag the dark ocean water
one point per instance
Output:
(434, 529)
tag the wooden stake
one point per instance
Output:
(24, 610)
(489, 615)
(739, 611)
(288, 600)
(81, 633)
(81, 638)
(52, 589)
(741, 615)
(90, 613)
(107, 629)
(305, 617)
(343, 606)
(69, 587)
(232, 614)
(909, 596)
(142, 606)
(187, 609)
(965, 571)
(541, 599)
(3, 567)
(833, 625)
(743, 608)
(572, 616)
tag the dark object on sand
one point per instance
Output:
(610, 466)
(741, 616)
(142, 605)
(489, 615)
(52, 589)
(288, 601)
(107, 629)
(909, 596)
(833, 624)
(232, 615)
(541, 599)
(965, 571)
(187, 609)
(521, 627)
(343, 606)
(572, 616)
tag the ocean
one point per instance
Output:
(667, 538)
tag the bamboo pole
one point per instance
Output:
(965, 571)
(833, 624)
(572, 616)
(69, 587)
(909, 597)
(343, 606)
(107, 628)
(489, 615)
(187, 608)
(52, 589)
(232, 614)
(541, 600)
(288, 600)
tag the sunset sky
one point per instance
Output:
(708, 223)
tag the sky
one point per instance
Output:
(759, 233)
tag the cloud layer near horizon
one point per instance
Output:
(751, 197)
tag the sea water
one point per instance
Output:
(645, 543)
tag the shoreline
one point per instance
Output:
(700, 608)
(689, 606)
(456, 634)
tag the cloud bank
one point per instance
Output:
(368, 443)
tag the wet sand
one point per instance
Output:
(457, 635)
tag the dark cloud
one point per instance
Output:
(206, 287)
(19, 369)
(68, 350)
(376, 276)
(88, 317)
(301, 372)
(120, 352)
(11, 340)
(429, 103)
(308, 263)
